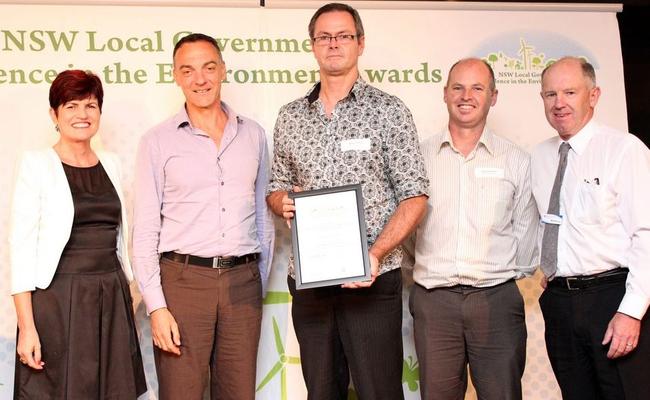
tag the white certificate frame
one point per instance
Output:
(329, 237)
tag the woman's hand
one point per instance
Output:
(29, 344)
(29, 348)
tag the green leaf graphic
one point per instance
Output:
(277, 298)
(411, 373)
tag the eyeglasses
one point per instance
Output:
(343, 38)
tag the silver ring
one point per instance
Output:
(628, 345)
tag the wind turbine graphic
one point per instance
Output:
(524, 50)
(280, 365)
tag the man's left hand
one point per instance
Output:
(374, 271)
(622, 335)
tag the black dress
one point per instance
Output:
(85, 317)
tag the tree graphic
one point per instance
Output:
(280, 365)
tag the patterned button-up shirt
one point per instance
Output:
(369, 138)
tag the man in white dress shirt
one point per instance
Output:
(477, 239)
(591, 187)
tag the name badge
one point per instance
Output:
(552, 219)
(355, 144)
(489, 172)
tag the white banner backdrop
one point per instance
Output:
(408, 53)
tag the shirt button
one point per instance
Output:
(223, 235)
(223, 209)
(221, 183)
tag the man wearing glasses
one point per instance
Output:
(203, 235)
(342, 132)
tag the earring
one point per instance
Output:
(56, 127)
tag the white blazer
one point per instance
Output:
(41, 219)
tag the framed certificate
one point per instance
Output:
(328, 233)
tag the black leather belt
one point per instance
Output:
(586, 281)
(212, 262)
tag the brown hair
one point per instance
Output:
(331, 7)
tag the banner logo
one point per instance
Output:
(519, 58)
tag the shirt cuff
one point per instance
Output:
(633, 305)
(415, 192)
(275, 186)
(154, 299)
(526, 270)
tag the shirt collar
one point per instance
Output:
(182, 119)
(358, 88)
(580, 140)
(486, 139)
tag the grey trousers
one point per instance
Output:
(461, 325)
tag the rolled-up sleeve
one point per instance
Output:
(281, 173)
(405, 163)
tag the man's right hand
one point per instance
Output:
(164, 331)
(288, 207)
(282, 205)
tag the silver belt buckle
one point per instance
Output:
(568, 283)
(223, 262)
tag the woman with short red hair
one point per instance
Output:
(69, 262)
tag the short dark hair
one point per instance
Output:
(197, 37)
(331, 7)
(75, 84)
(587, 69)
(493, 85)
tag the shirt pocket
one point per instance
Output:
(589, 201)
(495, 203)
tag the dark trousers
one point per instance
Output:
(576, 321)
(219, 313)
(461, 325)
(356, 332)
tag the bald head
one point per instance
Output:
(473, 60)
(587, 69)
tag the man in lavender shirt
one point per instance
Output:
(203, 236)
